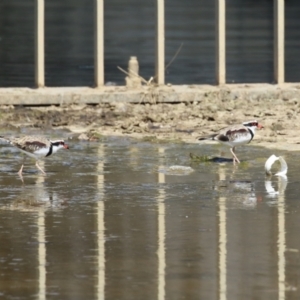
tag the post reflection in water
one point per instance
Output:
(101, 225)
(222, 241)
(281, 240)
(35, 200)
(41, 237)
(42, 254)
(161, 229)
(282, 182)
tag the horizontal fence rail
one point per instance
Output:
(220, 24)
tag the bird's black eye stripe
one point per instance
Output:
(58, 143)
(250, 124)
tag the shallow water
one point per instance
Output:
(111, 220)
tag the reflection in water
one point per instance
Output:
(282, 183)
(281, 242)
(240, 191)
(251, 199)
(281, 247)
(134, 157)
(117, 247)
(272, 193)
(41, 238)
(161, 230)
(42, 253)
(35, 200)
(246, 192)
(33, 197)
(222, 241)
(101, 225)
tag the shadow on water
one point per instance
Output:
(117, 220)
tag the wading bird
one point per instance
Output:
(37, 147)
(235, 135)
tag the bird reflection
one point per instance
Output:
(239, 191)
(36, 195)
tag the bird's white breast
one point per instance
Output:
(238, 139)
(42, 152)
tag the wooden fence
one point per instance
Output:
(220, 6)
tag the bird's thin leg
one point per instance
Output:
(20, 173)
(21, 169)
(235, 159)
(37, 165)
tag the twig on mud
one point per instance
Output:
(174, 57)
(144, 80)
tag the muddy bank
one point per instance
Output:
(172, 121)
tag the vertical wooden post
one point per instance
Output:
(220, 41)
(99, 43)
(39, 43)
(279, 41)
(160, 42)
